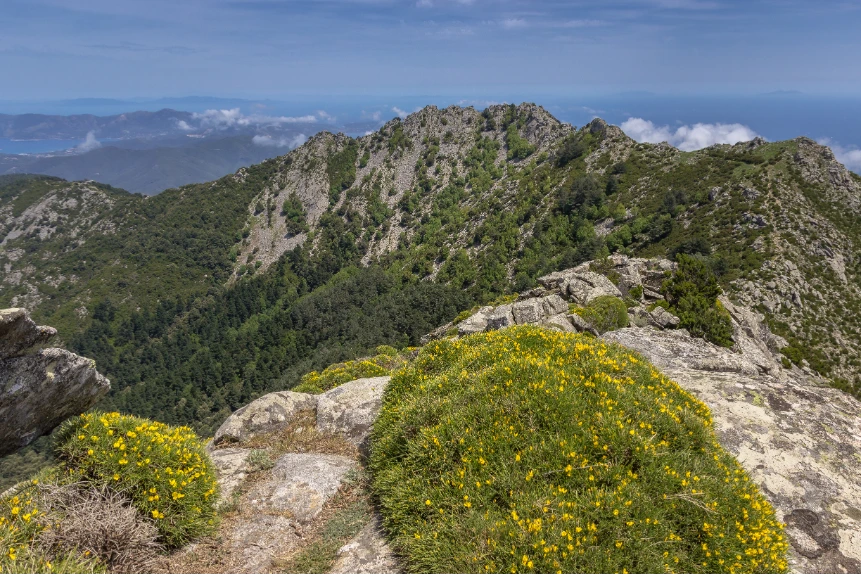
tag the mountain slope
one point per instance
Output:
(201, 298)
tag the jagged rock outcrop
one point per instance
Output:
(39, 390)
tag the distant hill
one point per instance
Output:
(148, 171)
(56, 127)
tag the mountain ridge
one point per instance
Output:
(477, 203)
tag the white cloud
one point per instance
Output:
(850, 157)
(221, 119)
(269, 141)
(513, 23)
(687, 138)
(376, 115)
(323, 115)
(89, 143)
(401, 113)
(184, 126)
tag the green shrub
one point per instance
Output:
(164, 470)
(636, 292)
(605, 313)
(692, 293)
(533, 450)
(386, 361)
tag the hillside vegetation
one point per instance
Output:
(197, 300)
(531, 450)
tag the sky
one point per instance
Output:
(52, 49)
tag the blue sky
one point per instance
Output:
(51, 49)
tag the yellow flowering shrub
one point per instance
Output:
(531, 450)
(386, 360)
(164, 470)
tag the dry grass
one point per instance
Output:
(97, 522)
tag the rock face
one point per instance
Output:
(351, 408)
(41, 389)
(18, 332)
(300, 484)
(264, 414)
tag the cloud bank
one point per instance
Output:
(687, 138)
(89, 143)
(401, 113)
(222, 119)
(269, 141)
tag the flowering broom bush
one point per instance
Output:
(528, 450)
(163, 470)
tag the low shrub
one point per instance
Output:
(533, 450)
(99, 523)
(692, 293)
(164, 470)
(386, 361)
(605, 313)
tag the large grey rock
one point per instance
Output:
(553, 304)
(559, 321)
(352, 408)
(501, 317)
(18, 332)
(584, 287)
(368, 552)
(265, 414)
(230, 467)
(799, 441)
(528, 311)
(676, 348)
(300, 484)
(663, 319)
(39, 391)
(476, 323)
